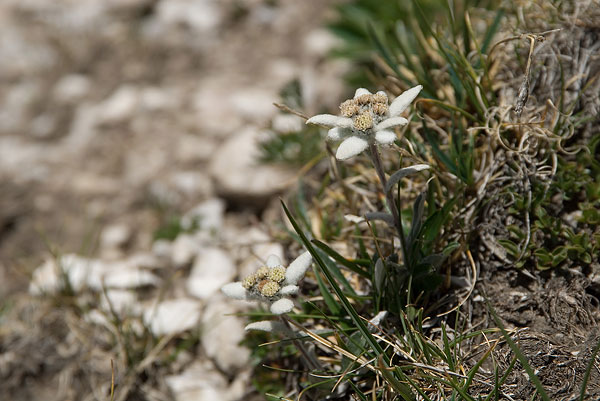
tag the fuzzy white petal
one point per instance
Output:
(235, 290)
(385, 137)
(289, 290)
(297, 269)
(337, 133)
(329, 120)
(351, 147)
(282, 306)
(360, 92)
(267, 325)
(404, 100)
(390, 123)
(273, 261)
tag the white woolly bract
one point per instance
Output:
(390, 123)
(385, 137)
(337, 133)
(235, 291)
(329, 120)
(267, 325)
(282, 306)
(351, 147)
(401, 102)
(297, 269)
(360, 92)
(273, 261)
(289, 290)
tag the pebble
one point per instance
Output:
(212, 269)
(221, 335)
(172, 316)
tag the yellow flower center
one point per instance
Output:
(363, 121)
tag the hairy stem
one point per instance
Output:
(397, 216)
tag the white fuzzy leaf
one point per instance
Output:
(297, 269)
(282, 306)
(390, 123)
(235, 291)
(351, 147)
(404, 100)
(329, 120)
(385, 137)
(273, 261)
(403, 172)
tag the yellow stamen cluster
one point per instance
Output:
(262, 272)
(363, 121)
(380, 97)
(277, 274)
(349, 108)
(364, 99)
(265, 280)
(249, 281)
(380, 108)
(268, 288)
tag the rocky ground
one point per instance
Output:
(115, 118)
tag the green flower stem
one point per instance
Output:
(376, 158)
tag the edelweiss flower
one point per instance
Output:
(365, 119)
(271, 283)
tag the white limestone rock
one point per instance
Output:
(212, 269)
(237, 173)
(221, 335)
(173, 316)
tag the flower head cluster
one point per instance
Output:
(366, 119)
(272, 283)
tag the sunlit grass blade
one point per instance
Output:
(375, 347)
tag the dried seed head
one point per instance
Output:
(277, 274)
(262, 272)
(380, 108)
(269, 288)
(249, 281)
(349, 108)
(380, 97)
(363, 121)
(364, 99)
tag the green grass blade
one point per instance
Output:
(340, 259)
(522, 358)
(489, 35)
(331, 303)
(588, 370)
(356, 319)
(335, 271)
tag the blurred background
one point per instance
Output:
(124, 123)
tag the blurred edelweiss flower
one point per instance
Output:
(271, 283)
(365, 119)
